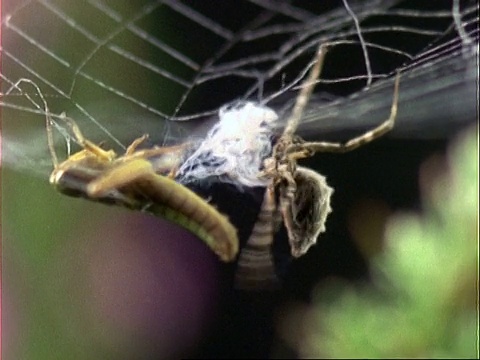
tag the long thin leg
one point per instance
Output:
(302, 150)
(83, 142)
(305, 93)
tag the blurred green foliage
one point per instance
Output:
(424, 297)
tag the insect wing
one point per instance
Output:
(306, 215)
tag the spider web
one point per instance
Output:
(124, 68)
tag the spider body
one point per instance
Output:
(297, 196)
(256, 267)
(304, 219)
(304, 194)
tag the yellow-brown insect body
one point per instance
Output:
(131, 181)
(72, 176)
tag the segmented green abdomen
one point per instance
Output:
(182, 206)
(161, 195)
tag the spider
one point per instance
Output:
(305, 219)
(303, 194)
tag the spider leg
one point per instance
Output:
(305, 93)
(288, 187)
(306, 149)
(87, 144)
